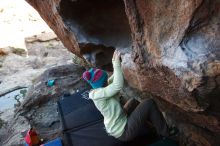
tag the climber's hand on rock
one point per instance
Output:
(116, 55)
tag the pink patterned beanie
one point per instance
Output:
(95, 77)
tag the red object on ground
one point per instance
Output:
(32, 137)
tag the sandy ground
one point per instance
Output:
(17, 21)
(21, 28)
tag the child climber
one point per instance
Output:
(105, 95)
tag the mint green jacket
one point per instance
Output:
(107, 101)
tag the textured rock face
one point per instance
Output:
(98, 55)
(171, 50)
(176, 57)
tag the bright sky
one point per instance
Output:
(17, 21)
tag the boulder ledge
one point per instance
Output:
(171, 50)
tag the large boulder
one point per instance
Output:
(170, 51)
(39, 109)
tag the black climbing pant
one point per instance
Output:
(138, 121)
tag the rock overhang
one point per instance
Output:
(173, 59)
(97, 21)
